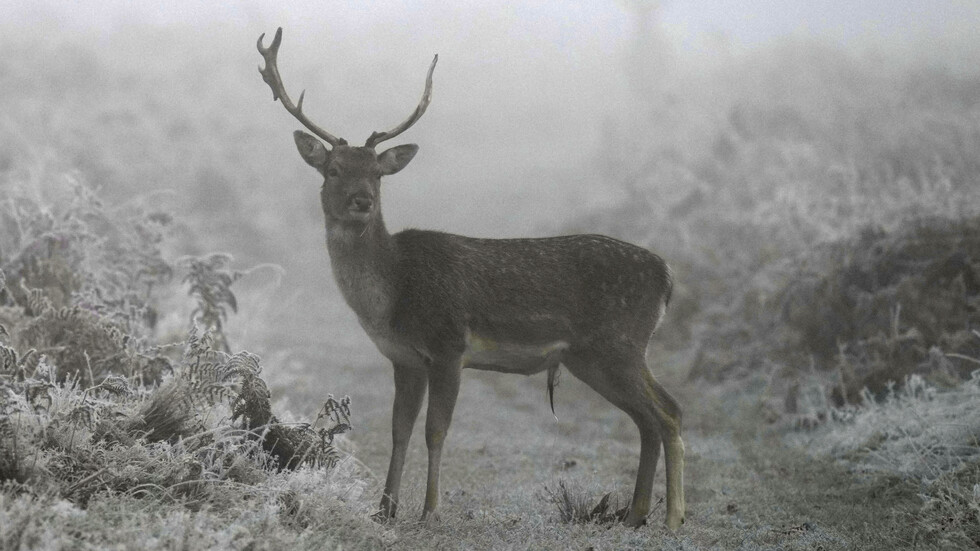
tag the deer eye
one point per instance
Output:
(333, 173)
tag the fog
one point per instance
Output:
(522, 91)
(808, 170)
(540, 110)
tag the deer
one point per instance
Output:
(434, 303)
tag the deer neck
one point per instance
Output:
(362, 258)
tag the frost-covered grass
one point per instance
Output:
(916, 431)
(918, 434)
(305, 509)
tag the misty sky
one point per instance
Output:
(746, 22)
(753, 21)
(522, 88)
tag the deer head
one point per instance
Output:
(352, 174)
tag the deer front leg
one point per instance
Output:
(443, 390)
(409, 392)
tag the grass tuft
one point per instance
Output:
(575, 505)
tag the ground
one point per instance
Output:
(746, 488)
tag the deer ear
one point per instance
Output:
(311, 149)
(397, 158)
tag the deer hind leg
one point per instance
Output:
(629, 385)
(668, 413)
(409, 392)
(443, 390)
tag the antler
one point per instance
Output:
(270, 74)
(378, 137)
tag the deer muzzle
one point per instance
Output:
(360, 203)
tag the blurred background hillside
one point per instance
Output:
(544, 115)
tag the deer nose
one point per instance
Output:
(361, 203)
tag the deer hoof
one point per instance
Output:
(635, 521)
(430, 518)
(674, 522)
(382, 516)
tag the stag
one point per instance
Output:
(434, 303)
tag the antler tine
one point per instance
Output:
(270, 74)
(378, 137)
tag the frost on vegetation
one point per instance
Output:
(915, 431)
(852, 323)
(753, 180)
(95, 408)
(923, 435)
